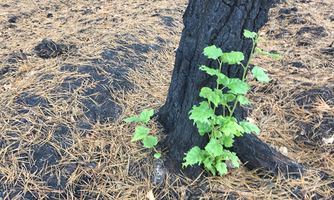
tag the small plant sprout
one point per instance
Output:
(141, 132)
(223, 128)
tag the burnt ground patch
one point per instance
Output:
(96, 103)
(316, 100)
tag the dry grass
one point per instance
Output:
(100, 161)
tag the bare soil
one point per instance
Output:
(72, 71)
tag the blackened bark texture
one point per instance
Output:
(220, 23)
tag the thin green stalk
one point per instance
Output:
(251, 55)
(244, 74)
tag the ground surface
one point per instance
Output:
(62, 134)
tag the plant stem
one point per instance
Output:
(250, 57)
(245, 70)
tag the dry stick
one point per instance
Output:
(92, 177)
(233, 192)
(128, 165)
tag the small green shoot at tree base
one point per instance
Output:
(141, 132)
(223, 128)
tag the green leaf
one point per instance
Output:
(132, 119)
(249, 127)
(146, 115)
(150, 141)
(201, 113)
(226, 98)
(222, 79)
(235, 85)
(231, 128)
(157, 155)
(232, 58)
(228, 140)
(243, 100)
(203, 128)
(209, 165)
(220, 120)
(214, 148)
(231, 156)
(234, 159)
(210, 95)
(209, 71)
(193, 156)
(216, 134)
(212, 52)
(249, 34)
(259, 74)
(269, 54)
(140, 133)
(260, 38)
(221, 167)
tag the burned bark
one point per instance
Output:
(220, 23)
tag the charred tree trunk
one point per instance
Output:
(220, 23)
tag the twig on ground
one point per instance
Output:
(233, 192)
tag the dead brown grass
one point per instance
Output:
(123, 169)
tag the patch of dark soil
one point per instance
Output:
(15, 57)
(327, 51)
(301, 43)
(331, 18)
(37, 161)
(283, 33)
(4, 70)
(308, 100)
(31, 100)
(315, 31)
(49, 49)
(13, 19)
(287, 10)
(298, 64)
(196, 191)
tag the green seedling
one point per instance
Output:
(141, 132)
(221, 129)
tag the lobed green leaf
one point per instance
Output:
(249, 34)
(231, 156)
(157, 155)
(210, 71)
(228, 140)
(132, 119)
(234, 57)
(243, 100)
(203, 128)
(140, 133)
(249, 127)
(210, 95)
(193, 156)
(201, 113)
(235, 85)
(214, 148)
(231, 128)
(146, 115)
(209, 165)
(221, 167)
(150, 141)
(212, 52)
(259, 74)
